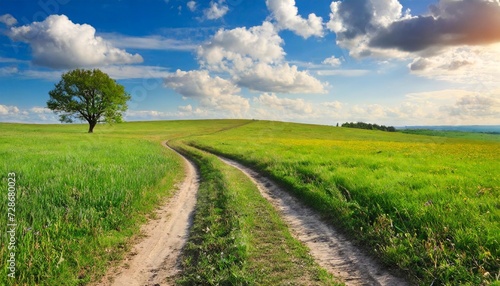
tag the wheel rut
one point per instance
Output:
(155, 259)
(328, 247)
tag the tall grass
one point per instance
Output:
(429, 205)
(78, 200)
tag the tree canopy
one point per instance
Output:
(88, 95)
(369, 126)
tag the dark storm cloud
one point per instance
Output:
(356, 16)
(451, 23)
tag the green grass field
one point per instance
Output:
(81, 197)
(428, 204)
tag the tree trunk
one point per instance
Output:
(92, 124)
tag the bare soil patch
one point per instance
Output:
(154, 260)
(328, 247)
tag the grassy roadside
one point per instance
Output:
(426, 204)
(237, 237)
(78, 200)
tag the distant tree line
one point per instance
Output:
(369, 126)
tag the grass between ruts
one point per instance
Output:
(429, 205)
(237, 237)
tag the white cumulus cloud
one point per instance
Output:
(254, 58)
(191, 6)
(212, 92)
(335, 105)
(453, 107)
(216, 10)
(8, 110)
(332, 61)
(271, 101)
(240, 47)
(280, 78)
(199, 84)
(185, 108)
(469, 64)
(475, 105)
(36, 114)
(57, 42)
(287, 17)
(40, 110)
(8, 20)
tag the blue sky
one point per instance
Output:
(385, 61)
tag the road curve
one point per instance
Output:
(155, 259)
(329, 248)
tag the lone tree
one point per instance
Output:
(89, 95)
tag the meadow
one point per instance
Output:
(80, 198)
(428, 204)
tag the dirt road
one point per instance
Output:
(155, 258)
(328, 247)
